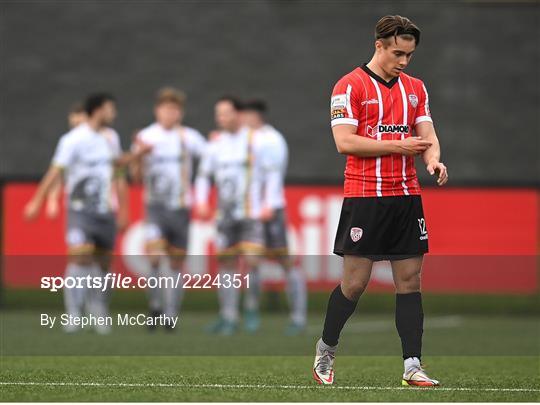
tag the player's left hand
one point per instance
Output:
(52, 209)
(31, 210)
(122, 221)
(143, 148)
(204, 212)
(439, 168)
(267, 214)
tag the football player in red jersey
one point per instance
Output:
(380, 121)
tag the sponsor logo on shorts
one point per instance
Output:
(413, 99)
(356, 234)
(423, 230)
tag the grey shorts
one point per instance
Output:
(87, 232)
(240, 237)
(167, 227)
(275, 233)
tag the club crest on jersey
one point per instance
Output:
(356, 234)
(413, 99)
(387, 129)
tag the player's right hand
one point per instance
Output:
(31, 210)
(143, 148)
(122, 220)
(412, 146)
(52, 209)
(267, 214)
(203, 212)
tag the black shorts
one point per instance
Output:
(382, 228)
(275, 233)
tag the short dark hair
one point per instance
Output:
(96, 100)
(257, 105)
(235, 101)
(397, 26)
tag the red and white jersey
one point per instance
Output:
(383, 111)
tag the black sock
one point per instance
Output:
(410, 323)
(339, 309)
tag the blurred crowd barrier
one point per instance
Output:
(481, 241)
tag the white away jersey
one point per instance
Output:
(238, 164)
(276, 150)
(167, 168)
(87, 158)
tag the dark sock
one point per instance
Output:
(339, 309)
(410, 323)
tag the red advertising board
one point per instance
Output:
(481, 240)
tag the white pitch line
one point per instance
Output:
(262, 386)
(375, 326)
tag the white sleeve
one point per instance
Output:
(272, 157)
(198, 144)
(283, 153)
(202, 190)
(65, 152)
(115, 143)
(202, 182)
(272, 187)
(422, 111)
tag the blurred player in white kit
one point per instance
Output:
(89, 158)
(273, 213)
(236, 161)
(76, 116)
(166, 174)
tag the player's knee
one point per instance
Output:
(103, 259)
(285, 262)
(252, 260)
(227, 261)
(154, 254)
(81, 259)
(408, 284)
(155, 247)
(177, 262)
(353, 289)
(154, 259)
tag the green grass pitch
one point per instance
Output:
(261, 378)
(476, 358)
